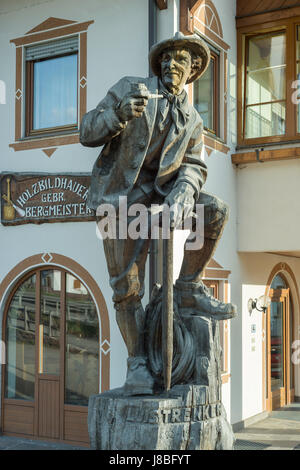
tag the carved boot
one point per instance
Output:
(130, 319)
(196, 297)
(139, 381)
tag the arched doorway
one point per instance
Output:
(51, 331)
(280, 328)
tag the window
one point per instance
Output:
(51, 86)
(269, 65)
(63, 322)
(20, 336)
(209, 94)
(206, 94)
(265, 98)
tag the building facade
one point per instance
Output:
(57, 323)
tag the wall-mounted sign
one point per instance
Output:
(36, 199)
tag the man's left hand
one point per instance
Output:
(182, 199)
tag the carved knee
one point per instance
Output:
(216, 211)
(216, 215)
(127, 287)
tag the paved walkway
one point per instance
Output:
(280, 431)
(16, 443)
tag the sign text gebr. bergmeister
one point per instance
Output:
(44, 198)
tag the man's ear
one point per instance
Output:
(196, 64)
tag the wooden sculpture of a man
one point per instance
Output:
(152, 154)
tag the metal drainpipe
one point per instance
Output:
(152, 39)
(152, 26)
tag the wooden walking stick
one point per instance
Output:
(167, 309)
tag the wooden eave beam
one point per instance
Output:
(162, 4)
(289, 153)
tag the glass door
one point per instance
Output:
(277, 322)
(49, 357)
(279, 354)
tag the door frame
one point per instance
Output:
(284, 270)
(283, 395)
(8, 288)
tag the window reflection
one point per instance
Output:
(20, 341)
(277, 344)
(49, 328)
(206, 93)
(265, 98)
(82, 343)
(55, 92)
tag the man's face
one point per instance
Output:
(176, 66)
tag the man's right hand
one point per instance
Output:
(133, 105)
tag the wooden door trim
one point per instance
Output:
(54, 378)
(282, 394)
(15, 402)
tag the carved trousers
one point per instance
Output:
(126, 259)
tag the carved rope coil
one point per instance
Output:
(183, 344)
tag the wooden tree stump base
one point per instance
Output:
(182, 419)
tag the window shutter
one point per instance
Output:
(52, 48)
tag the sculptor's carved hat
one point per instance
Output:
(193, 43)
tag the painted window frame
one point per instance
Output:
(288, 25)
(191, 23)
(36, 36)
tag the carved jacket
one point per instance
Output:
(125, 147)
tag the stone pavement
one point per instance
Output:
(17, 443)
(280, 431)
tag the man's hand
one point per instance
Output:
(133, 104)
(182, 199)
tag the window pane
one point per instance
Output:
(291, 343)
(278, 283)
(298, 97)
(49, 332)
(298, 43)
(20, 341)
(266, 83)
(204, 96)
(266, 51)
(277, 370)
(82, 344)
(55, 92)
(265, 120)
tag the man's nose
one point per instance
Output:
(171, 62)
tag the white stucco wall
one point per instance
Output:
(268, 202)
(117, 46)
